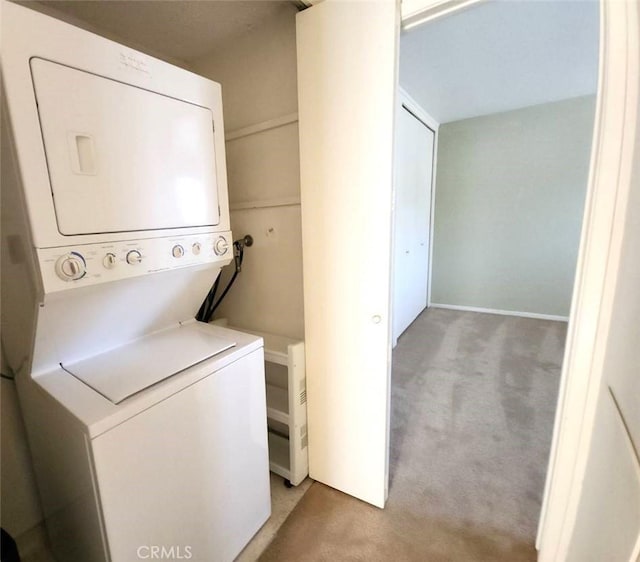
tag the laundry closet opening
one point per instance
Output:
(494, 126)
(249, 48)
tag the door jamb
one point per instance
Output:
(616, 129)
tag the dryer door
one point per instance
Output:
(122, 158)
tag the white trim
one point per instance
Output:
(502, 312)
(414, 107)
(598, 267)
(432, 218)
(265, 204)
(261, 127)
(417, 12)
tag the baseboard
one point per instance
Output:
(502, 312)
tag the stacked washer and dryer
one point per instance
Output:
(147, 429)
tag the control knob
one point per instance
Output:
(220, 246)
(109, 261)
(71, 267)
(134, 257)
(177, 251)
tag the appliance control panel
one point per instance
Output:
(90, 264)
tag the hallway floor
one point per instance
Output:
(473, 401)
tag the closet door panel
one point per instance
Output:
(413, 178)
(346, 118)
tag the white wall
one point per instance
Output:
(510, 191)
(259, 84)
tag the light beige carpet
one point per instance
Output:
(473, 399)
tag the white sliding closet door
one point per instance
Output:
(347, 53)
(413, 177)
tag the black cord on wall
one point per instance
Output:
(210, 304)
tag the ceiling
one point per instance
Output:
(495, 56)
(501, 55)
(179, 29)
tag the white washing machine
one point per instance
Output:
(147, 429)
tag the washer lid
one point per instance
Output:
(120, 373)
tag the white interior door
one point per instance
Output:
(347, 53)
(413, 179)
